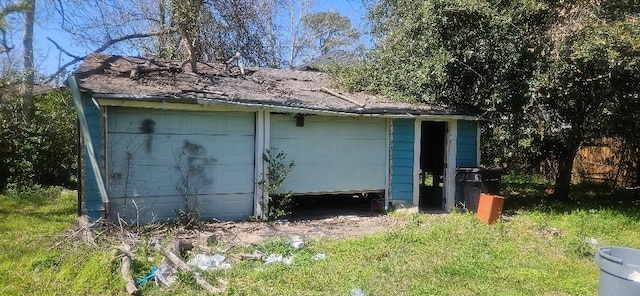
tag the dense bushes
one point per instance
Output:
(43, 151)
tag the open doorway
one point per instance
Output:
(432, 155)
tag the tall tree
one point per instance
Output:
(297, 43)
(329, 30)
(591, 69)
(541, 71)
(188, 20)
(27, 9)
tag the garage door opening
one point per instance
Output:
(316, 207)
(432, 154)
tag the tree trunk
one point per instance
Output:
(565, 166)
(28, 8)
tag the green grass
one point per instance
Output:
(32, 222)
(541, 248)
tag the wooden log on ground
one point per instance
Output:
(178, 263)
(85, 228)
(125, 249)
(125, 270)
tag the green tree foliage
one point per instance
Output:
(545, 74)
(329, 30)
(44, 151)
(591, 70)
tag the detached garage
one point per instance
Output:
(159, 139)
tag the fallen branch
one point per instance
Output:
(102, 48)
(236, 57)
(125, 249)
(125, 269)
(184, 267)
(84, 228)
(335, 94)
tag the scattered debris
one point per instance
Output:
(205, 262)
(296, 242)
(357, 292)
(151, 275)
(275, 258)
(257, 255)
(319, 256)
(377, 205)
(184, 267)
(549, 233)
(165, 274)
(592, 241)
(635, 276)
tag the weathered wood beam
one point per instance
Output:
(125, 269)
(337, 95)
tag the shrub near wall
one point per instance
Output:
(44, 151)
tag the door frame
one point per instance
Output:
(449, 187)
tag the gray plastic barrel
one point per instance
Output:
(618, 268)
(471, 180)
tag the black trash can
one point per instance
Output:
(619, 271)
(491, 178)
(471, 181)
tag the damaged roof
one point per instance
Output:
(136, 78)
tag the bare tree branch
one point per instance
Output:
(63, 50)
(102, 48)
(5, 46)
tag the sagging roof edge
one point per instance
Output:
(164, 103)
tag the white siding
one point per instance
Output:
(332, 154)
(148, 163)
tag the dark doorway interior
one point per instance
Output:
(432, 154)
(313, 207)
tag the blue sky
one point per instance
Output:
(48, 57)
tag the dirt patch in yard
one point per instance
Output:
(230, 235)
(237, 234)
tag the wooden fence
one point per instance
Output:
(607, 160)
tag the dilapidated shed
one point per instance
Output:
(156, 133)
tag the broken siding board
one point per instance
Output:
(93, 202)
(402, 160)
(331, 154)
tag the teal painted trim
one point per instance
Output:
(466, 150)
(92, 199)
(402, 160)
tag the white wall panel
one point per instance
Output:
(332, 154)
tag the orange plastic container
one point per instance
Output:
(489, 207)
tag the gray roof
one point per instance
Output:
(135, 78)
